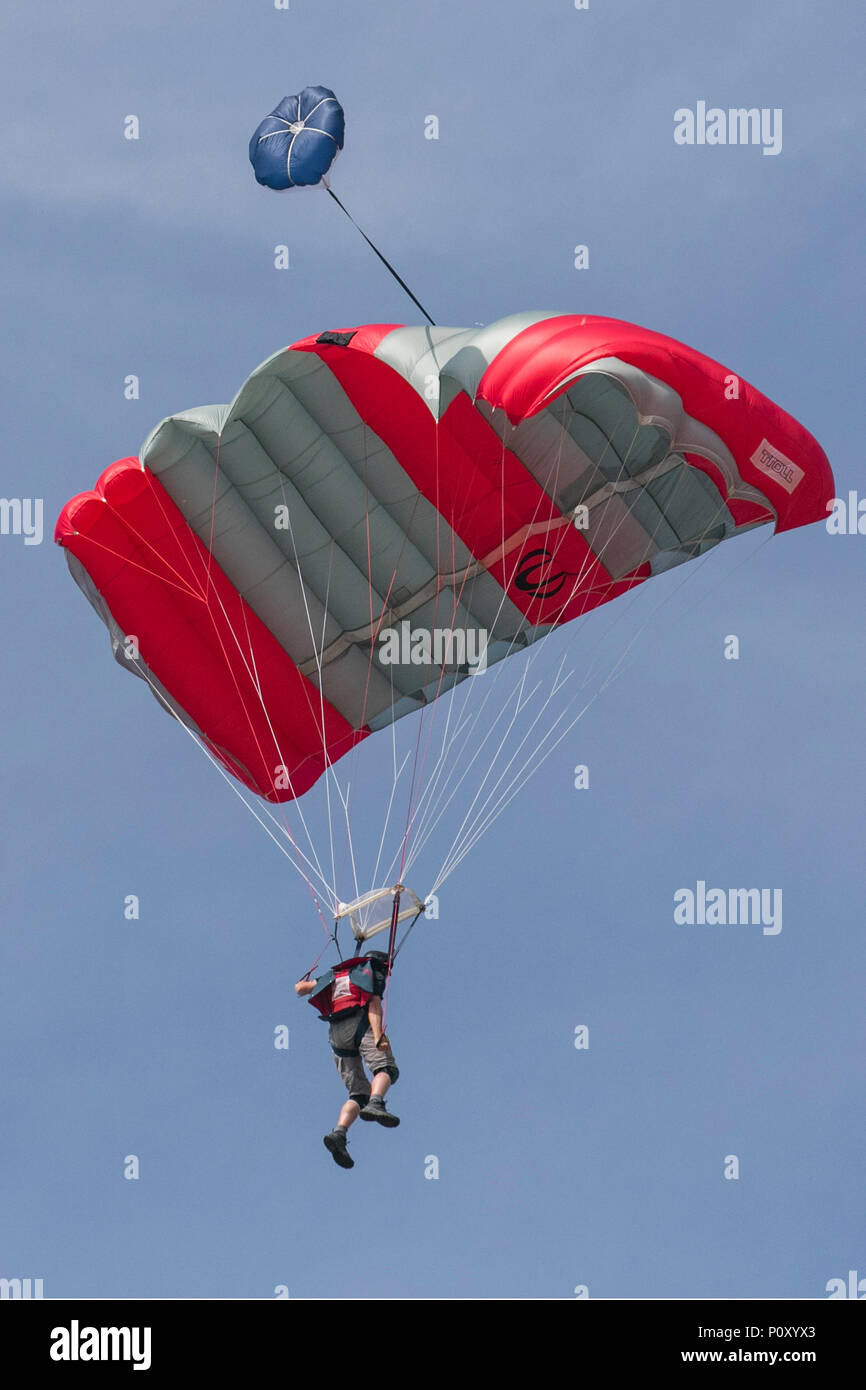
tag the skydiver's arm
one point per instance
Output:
(374, 1015)
(304, 987)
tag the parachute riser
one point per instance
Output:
(418, 914)
(395, 917)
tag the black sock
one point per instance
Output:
(339, 1129)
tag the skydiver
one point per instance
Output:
(349, 998)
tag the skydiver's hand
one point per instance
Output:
(304, 987)
(383, 1043)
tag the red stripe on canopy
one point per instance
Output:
(199, 638)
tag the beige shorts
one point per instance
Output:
(343, 1036)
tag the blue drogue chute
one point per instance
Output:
(295, 146)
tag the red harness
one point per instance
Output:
(344, 988)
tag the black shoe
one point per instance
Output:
(335, 1143)
(375, 1110)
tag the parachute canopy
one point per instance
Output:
(382, 511)
(298, 142)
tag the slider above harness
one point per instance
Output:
(367, 917)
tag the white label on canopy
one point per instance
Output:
(777, 465)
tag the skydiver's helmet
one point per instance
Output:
(379, 965)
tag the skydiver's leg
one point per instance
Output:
(384, 1069)
(349, 1113)
(352, 1074)
(335, 1142)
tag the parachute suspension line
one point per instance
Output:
(439, 803)
(397, 776)
(252, 673)
(747, 559)
(691, 572)
(344, 799)
(474, 830)
(387, 264)
(413, 810)
(434, 795)
(207, 593)
(520, 781)
(408, 826)
(486, 813)
(181, 586)
(200, 592)
(514, 788)
(266, 713)
(413, 813)
(231, 782)
(519, 706)
(433, 813)
(317, 650)
(419, 835)
(332, 936)
(439, 806)
(481, 822)
(362, 720)
(199, 589)
(447, 744)
(375, 627)
(417, 776)
(438, 563)
(437, 809)
(410, 814)
(376, 624)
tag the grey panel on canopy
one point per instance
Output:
(359, 537)
(612, 443)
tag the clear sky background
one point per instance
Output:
(557, 1167)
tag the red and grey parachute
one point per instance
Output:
(497, 481)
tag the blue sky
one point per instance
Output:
(557, 1167)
